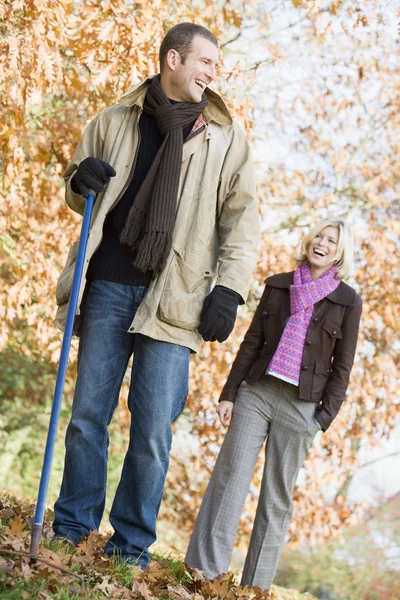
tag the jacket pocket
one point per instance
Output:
(186, 287)
(333, 329)
(64, 283)
(320, 379)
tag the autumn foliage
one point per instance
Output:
(327, 145)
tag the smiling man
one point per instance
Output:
(172, 245)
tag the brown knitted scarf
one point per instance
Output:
(151, 219)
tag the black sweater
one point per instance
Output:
(112, 261)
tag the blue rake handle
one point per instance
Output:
(62, 369)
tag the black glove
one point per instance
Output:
(219, 313)
(92, 174)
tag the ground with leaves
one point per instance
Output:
(60, 572)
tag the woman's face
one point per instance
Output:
(322, 249)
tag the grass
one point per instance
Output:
(175, 565)
(92, 576)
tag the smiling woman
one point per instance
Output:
(287, 382)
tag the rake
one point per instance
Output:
(37, 527)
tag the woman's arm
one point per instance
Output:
(248, 351)
(343, 359)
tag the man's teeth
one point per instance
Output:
(201, 84)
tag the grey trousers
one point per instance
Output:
(268, 409)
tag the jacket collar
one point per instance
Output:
(343, 294)
(281, 280)
(215, 111)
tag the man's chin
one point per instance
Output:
(196, 98)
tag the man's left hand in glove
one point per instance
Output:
(218, 316)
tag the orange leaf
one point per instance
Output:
(17, 527)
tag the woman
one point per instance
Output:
(287, 382)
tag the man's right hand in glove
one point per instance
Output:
(92, 174)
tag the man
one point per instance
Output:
(175, 201)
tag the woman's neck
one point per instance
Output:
(317, 272)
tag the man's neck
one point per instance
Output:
(172, 94)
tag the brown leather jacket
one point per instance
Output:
(329, 348)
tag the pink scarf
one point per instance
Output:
(304, 293)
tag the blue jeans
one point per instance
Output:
(157, 396)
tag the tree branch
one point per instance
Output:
(375, 460)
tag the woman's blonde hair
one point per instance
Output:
(344, 253)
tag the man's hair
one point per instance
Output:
(180, 38)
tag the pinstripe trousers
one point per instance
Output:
(268, 409)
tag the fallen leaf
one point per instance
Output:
(154, 571)
(52, 556)
(7, 513)
(17, 544)
(16, 527)
(197, 575)
(92, 546)
(142, 589)
(180, 593)
(105, 586)
(26, 571)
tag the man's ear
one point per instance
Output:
(173, 59)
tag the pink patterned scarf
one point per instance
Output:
(304, 293)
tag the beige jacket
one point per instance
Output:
(216, 230)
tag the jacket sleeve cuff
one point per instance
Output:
(74, 201)
(235, 294)
(323, 418)
(228, 394)
(241, 290)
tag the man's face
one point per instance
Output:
(189, 80)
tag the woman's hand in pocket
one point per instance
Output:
(224, 410)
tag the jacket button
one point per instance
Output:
(315, 320)
(334, 332)
(308, 343)
(264, 312)
(304, 368)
